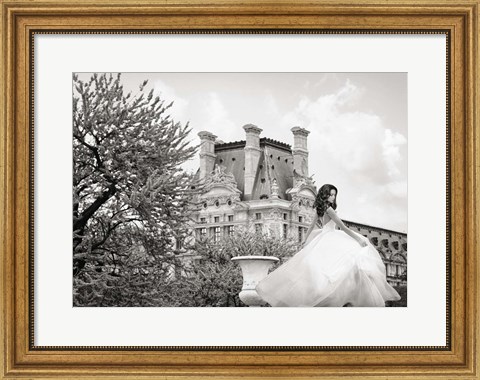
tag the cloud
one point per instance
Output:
(179, 109)
(350, 144)
(271, 108)
(213, 116)
(210, 114)
(354, 150)
(391, 151)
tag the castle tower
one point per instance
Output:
(300, 150)
(207, 153)
(252, 156)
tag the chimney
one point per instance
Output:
(300, 150)
(252, 156)
(207, 153)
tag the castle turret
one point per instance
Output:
(300, 150)
(207, 153)
(252, 156)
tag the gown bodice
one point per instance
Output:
(329, 226)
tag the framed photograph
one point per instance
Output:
(244, 180)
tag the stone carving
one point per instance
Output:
(275, 213)
(299, 181)
(309, 218)
(302, 201)
(294, 206)
(274, 188)
(220, 176)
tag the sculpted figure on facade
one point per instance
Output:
(274, 188)
(220, 176)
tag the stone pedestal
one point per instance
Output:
(254, 269)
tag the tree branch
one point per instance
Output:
(80, 223)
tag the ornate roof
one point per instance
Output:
(274, 175)
(233, 160)
(264, 141)
(276, 162)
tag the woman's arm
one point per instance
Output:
(331, 213)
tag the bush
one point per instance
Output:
(215, 280)
(402, 302)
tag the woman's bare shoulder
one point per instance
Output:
(330, 210)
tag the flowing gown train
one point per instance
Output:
(332, 269)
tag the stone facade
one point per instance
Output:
(264, 184)
(391, 245)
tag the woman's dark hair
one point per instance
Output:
(321, 201)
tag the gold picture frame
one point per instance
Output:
(22, 19)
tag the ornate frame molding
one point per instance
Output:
(21, 19)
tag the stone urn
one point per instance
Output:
(254, 269)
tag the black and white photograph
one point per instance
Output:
(265, 189)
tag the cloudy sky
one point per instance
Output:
(358, 125)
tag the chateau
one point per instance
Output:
(263, 183)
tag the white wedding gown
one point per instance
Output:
(332, 269)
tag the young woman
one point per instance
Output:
(334, 267)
